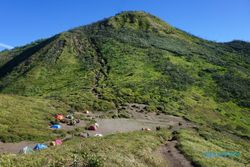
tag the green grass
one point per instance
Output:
(194, 144)
(129, 149)
(140, 21)
(24, 118)
(225, 116)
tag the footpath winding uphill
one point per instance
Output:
(169, 152)
(172, 155)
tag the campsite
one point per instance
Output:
(103, 127)
(107, 126)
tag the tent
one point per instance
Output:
(56, 126)
(92, 127)
(58, 142)
(98, 135)
(59, 117)
(40, 147)
(26, 150)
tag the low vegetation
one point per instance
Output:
(195, 145)
(130, 149)
(24, 118)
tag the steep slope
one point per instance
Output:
(24, 118)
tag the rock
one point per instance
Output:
(84, 135)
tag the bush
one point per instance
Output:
(233, 87)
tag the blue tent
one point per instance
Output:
(40, 147)
(56, 126)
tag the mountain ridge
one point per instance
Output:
(105, 22)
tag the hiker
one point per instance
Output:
(54, 122)
(72, 122)
(70, 116)
(78, 121)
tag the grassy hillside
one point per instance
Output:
(137, 149)
(24, 118)
(131, 149)
(132, 57)
(195, 145)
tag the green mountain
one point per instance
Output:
(134, 57)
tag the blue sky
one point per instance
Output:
(23, 21)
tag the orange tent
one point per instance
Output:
(59, 117)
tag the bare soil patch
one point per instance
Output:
(173, 156)
(15, 147)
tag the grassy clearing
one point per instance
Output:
(128, 149)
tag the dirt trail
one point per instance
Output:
(15, 147)
(173, 156)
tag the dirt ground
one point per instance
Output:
(110, 126)
(15, 147)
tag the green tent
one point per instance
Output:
(26, 150)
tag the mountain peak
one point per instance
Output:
(139, 20)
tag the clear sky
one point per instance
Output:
(23, 21)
